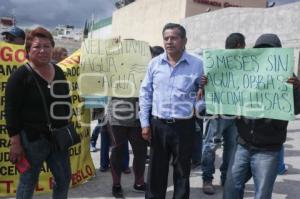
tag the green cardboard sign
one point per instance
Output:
(112, 68)
(250, 82)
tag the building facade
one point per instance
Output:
(6, 23)
(144, 19)
(209, 30)
(208, 22)
(101, 29)
(67, 32)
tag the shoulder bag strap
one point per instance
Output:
(42, 95)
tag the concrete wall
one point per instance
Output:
(194, 8)
(101, 29)
(209, 30)
(144, 19)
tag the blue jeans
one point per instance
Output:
(229, 190)
(197, 151)
(58, 162)
(95, 135)
(218, 128)
(262, 165)
(281, 164)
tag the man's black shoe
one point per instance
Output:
(208, 188)
(117, 191)
(104, 169)
(139, 188)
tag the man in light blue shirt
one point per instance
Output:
(167, 101)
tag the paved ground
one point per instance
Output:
(286, 186)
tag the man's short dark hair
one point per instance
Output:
(268, 40)
(156, 50)
(234, 40)
(181, 29)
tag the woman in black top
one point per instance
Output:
(26, 119)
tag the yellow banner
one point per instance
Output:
(112, 68)
(81, 160)
(11, 57)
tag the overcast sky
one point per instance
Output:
(279, 2)
(50, 13)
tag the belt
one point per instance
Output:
(171, 120)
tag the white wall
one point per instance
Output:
(209, 30)
(145, 19)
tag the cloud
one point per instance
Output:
(50, 13)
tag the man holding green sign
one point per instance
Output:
(254, 84)
(220, 130)
(250, 82)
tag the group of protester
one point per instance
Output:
(173, 85)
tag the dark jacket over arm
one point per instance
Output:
(265, 134)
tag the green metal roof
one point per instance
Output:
(102, 23)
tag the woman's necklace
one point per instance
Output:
(45, 76)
